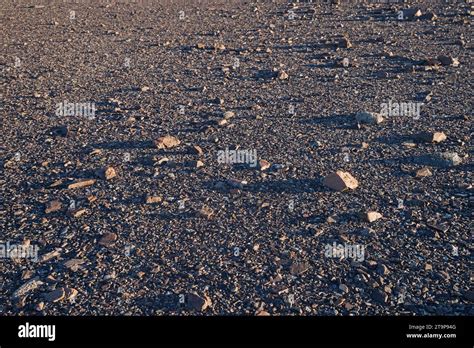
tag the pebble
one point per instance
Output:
(366, 117)
(167, 142)
(53, 206)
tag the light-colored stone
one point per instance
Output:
(369, 117)
(341, 181)
(167, 142)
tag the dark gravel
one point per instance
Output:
(212, 244)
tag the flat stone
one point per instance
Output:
(29, 286)
(372, 216)
(167, 142)
(423, 172)
(81, 184)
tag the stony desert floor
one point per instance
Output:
(127, 205)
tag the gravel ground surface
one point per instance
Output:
(129, 217)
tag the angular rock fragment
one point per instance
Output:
(340, 181)
(50, 255)
(53, 206)
(431, 137)
(263, 165)
(76, 213)
(196, 302)
(70, 293)
(200, 46)
(107, 173)
(167, 142)
(55, 295)
(372, 216)
(368, 117)
(197, 150)
(344, 43)
(29, 286)
(195, 164)
(411, 13)
(448, 61)
(282, 75)
(81, 183)
(74, 264)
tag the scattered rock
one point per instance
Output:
(431, 137)
(282, 75)
(77, 212)
(263, 165)
(108, 239)
(167, 142)
(228, 115)
(145, 88)
(206, 212)
(74, 264)
(48, 256)
(423, 172)
(340, 181)
(382, 269)
(55, 295)
(107, 173)
(81, 184)
(344, 288)
(153, 199)
(368, 117)
(372, 216)
(197, 150)
(411, 13)
(29, 286)
(53, 206)
(196, 302)
(344, 43)
(70, 293)
(379, 296)
(195, 164)
(448, 61)
(442, 159)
